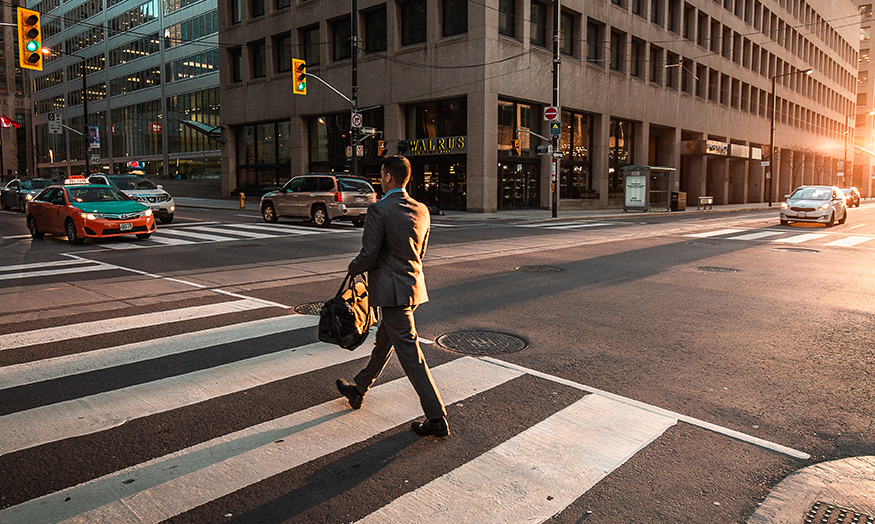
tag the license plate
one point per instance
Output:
(359, 200)
(126, 226)
(802, 215)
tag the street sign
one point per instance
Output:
(551, 113)
(155, 127)
(764, 163)
(356, 120)
(359, 150)
(93, 137)
(545, 150)
(95, 159)
(555, 128)
(558, 154)
(55, 126)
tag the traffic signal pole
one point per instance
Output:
(354, 130)
(554, 175)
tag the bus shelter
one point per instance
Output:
(649, 188)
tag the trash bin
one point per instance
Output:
(678, 201)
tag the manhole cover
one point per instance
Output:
(717, 269)
(538, 269)
(796, 250)
(313, 308)
(825, 513)
(481, 343)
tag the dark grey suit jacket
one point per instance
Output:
(393, 244)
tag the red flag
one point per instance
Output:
(5, 121)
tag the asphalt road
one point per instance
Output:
(675, 369)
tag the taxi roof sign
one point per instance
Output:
(76, 179)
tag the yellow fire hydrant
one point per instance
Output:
(242, 200)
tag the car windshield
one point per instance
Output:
(95, 194)
(354, 184)
(37, 183)
(131, 183)
(812, 193)
(846, 191)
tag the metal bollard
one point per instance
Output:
(242, 200)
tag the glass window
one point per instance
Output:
(341, 33)
(655, 14)
(636, 58)
(257, 8)
(284, 53)
(266, 153)
(618, 44)
(413, 22)
(438, 119)
(566, 33)
(656, 64)
(507, 17)
(236, 57)
(236, 11)
(375, 30)
(282, 4)
(259, 59)
(539, 23)
(593, 41)
(310, 39)
(619, 153)
(455, 17)
(284, 141)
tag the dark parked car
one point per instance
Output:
(17, 192)
(852, 196)
(320, 198)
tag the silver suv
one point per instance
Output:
(320, 198)
(143, 191)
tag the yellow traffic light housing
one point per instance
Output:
(516, 147)
(299, 76)
(30, 38)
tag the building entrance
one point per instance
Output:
(440, 183)
(518, 185)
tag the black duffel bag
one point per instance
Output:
(347, 319)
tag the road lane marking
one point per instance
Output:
(168, 241)
(95, 266)
(78, 363)
(281, 228)
(536, 474)
(715, 233)
(161, 488)
(683, 418)
(194, 232)
(849, 241)
(112, 325)
(756, 236)
(238, 232)
(798, 239)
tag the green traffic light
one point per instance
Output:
(302, 86)
(32, 46)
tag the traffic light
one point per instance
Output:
(30, 45)
(516, 147)
(299, 76)
(381, 147)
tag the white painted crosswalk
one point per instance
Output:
(784, 236)
(530, 476)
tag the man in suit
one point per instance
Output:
(393, 244)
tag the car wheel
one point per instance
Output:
(784, 222)
(70, 229)
(268, 213)
(320, 216)
(844, 217)
(33, 228)
(166, 219)
(21, 205)
(6, 206)
(832, 219)
(358, 223)
(143, 236)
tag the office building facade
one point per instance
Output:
(453, 84)
(150, 78)
(862, 171)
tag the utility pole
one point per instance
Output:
(557, 152)
(353, 129)
(87, 135)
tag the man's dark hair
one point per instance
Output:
(398, 167)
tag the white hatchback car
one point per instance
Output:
(143, 191)
(821, 204)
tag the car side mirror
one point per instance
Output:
(160, 186)
(786, 196)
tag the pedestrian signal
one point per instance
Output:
(30, 45)
(299, 76)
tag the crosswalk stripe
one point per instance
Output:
(756, 236)
(284, 228)
(68, 365)
(167, 486)
(111, 325)
(194, 232)
(86, 415)
(536, 474)
(41, 265)
(93, 266)
(234, 231)
(849, 241)
(580, 225)
(715, 233)
(168, 240)
(798, 239)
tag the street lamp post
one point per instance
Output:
(86, 135)
(772, 130)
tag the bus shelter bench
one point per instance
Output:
(706, 201)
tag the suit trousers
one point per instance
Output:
(397, 330)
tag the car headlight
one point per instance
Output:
(91, 216)
(28, 197)
(823, 207)
(146, 213)
(785, 205)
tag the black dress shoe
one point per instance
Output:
(436, 427)
(351, 392)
